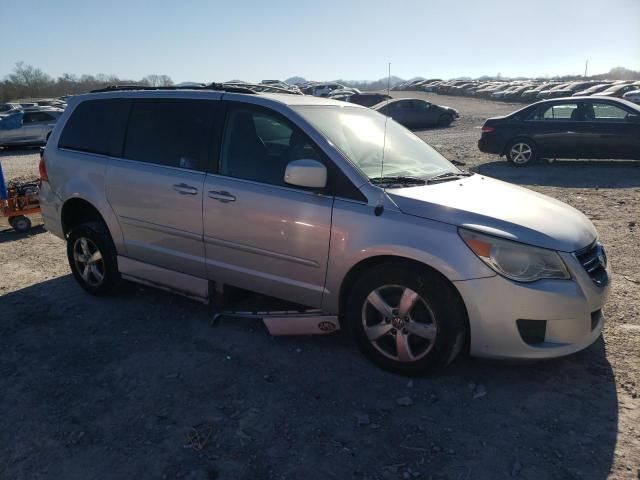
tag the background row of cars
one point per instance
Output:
(29, 121)
(527, 90)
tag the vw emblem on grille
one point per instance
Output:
(602, 256)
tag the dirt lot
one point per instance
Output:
(141, 386)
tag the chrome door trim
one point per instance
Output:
(259, 251)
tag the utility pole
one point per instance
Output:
(586, 65)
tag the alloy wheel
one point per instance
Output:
(399, 323)
(521, 153)
(88, 261)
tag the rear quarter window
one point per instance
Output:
(97, 126)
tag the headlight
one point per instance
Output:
(517, 261)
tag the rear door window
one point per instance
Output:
(558, 111)
(170, 132)
(97, 126)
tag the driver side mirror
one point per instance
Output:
(306, 173)
(633, 118)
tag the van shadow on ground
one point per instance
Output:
(122, 384)
(567, 173)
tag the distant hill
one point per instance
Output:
(379, 84)
(294, 80)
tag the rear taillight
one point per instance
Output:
(42, 167)
(486, 129)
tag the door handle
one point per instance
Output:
(224, 197)
(184, 189)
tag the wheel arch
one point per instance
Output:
(362, 266)
(76, 211)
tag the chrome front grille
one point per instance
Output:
(594, 260)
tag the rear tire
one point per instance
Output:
(93, 258)
(522, 152)
(406, 319)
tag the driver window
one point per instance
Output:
(605, 112)
(258, 145)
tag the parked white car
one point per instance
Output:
(324, 89)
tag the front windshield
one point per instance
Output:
(359, 134)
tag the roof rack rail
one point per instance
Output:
(231, 88)
(262, 88)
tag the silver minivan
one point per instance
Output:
(326, 205)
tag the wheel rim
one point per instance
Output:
(399, 323)
(521, 153)
(20, 224)
(88, 261)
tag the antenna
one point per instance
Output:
(586, 64)
(389, 80)
(384, 138)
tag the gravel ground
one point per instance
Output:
(141, 386)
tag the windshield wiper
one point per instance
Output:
(400, 180)
(447, 176)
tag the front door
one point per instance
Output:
(156, 188)
(613, 135)
(260, 233)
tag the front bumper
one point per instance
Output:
(570, 310)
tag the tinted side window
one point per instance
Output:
(97, 126)
(175, 133)
(35, 117)
(564, 111)
(605, 112)
(258, 145)
(420, 105)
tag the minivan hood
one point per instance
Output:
(501, 209)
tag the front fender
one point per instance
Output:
(357, 234)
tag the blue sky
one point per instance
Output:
(202, 40)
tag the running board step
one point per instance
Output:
(309, 322)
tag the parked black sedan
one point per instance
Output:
(414, 112)
(368, 99)
(573, 127)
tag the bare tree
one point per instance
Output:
(157, 80)
(29, 80)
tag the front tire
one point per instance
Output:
(92, 258)
(445, 120)
(521, 152)
(406, 319)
